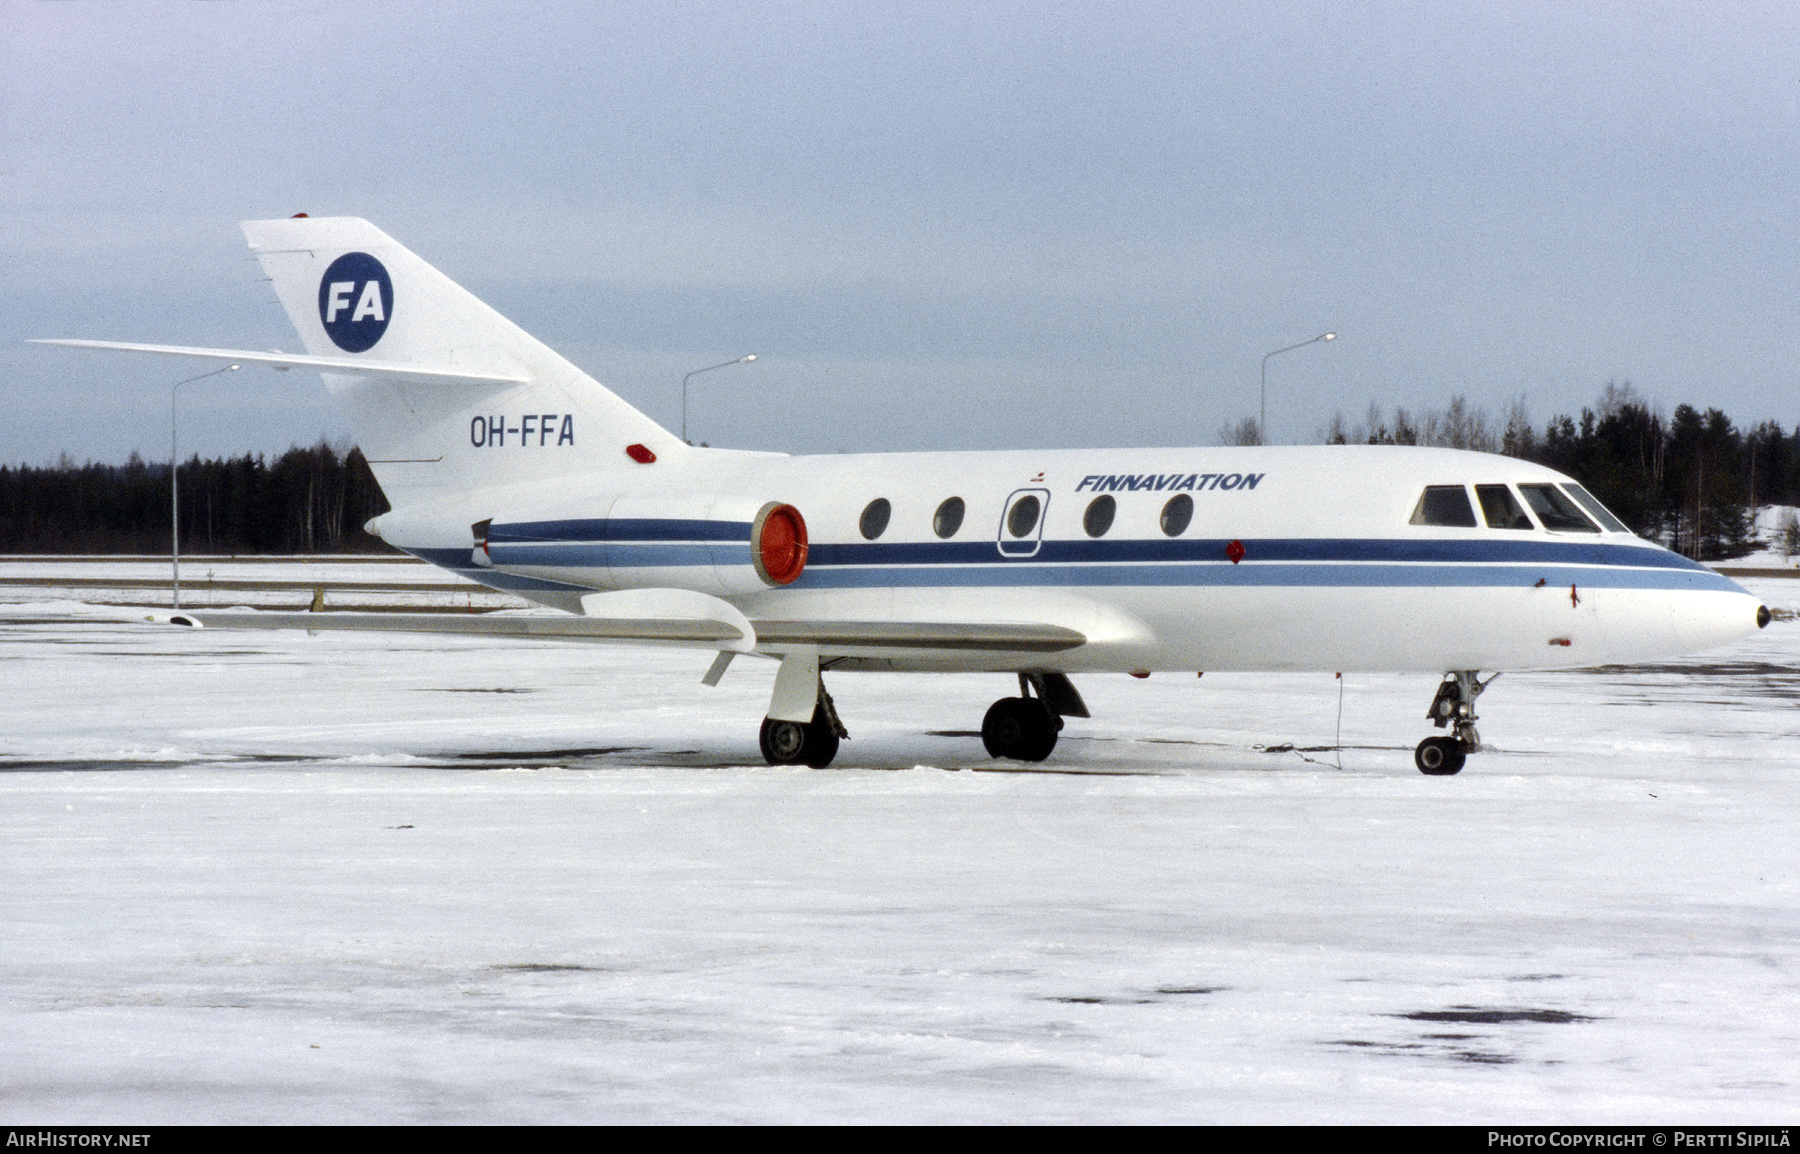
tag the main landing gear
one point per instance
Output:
(1453, 706)
(1024, 728)
(811, 743)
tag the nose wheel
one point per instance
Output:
(1453, 707)
(1440, 756)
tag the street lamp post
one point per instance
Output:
(747, 357)
(174, 479)
(1262, 428)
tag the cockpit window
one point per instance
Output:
(1500, 509)
(1600, 512)
(1444, 505)
(1555, 510)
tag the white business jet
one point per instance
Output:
(507, 464)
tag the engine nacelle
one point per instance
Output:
(713, 544)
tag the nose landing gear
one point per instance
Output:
(1454, 706)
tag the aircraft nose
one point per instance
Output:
(1718, 618)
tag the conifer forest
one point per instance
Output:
(1691, 480)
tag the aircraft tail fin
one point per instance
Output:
(442, 392)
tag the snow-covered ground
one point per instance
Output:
(1773, 551)
(349, 878)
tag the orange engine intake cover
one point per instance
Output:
(778, 544)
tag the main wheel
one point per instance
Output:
(813, 743)
(783, 742)
(821, 743)
(1440, 756)
(1021, 728)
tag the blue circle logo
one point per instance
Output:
(356, 298)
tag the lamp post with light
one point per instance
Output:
(174, 478)
(1262, 429)
(746, 358)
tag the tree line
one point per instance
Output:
(1692, 480)
(307, 500)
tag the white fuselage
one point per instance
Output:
(505, 462)
(1301, 558)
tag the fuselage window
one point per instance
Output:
(1445, 505)
(1023, 517)
(1556, 511)
(1176, 515)
(1099, 516)
(1593, 506)
(948, 518)
(875, 518)
(1500, 509)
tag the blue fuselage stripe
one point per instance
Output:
(457, 561)
(1225, 575)
(601, 535)
(1294, 562)
(1296, 549)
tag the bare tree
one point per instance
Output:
(1245, 432)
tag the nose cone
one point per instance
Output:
(1718, 618)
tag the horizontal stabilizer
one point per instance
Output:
(369, 368)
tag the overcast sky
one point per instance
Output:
(947, 225)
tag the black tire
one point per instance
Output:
(1003, 728)
(1440, 756)
(813, 744)
(783, 742)
(1020, 728)
(821, 743)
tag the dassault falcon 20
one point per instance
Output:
(507, 464)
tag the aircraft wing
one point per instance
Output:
(1019, 637)
(688, 630)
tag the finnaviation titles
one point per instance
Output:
(1167, 482)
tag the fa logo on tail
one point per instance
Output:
(356, 298)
